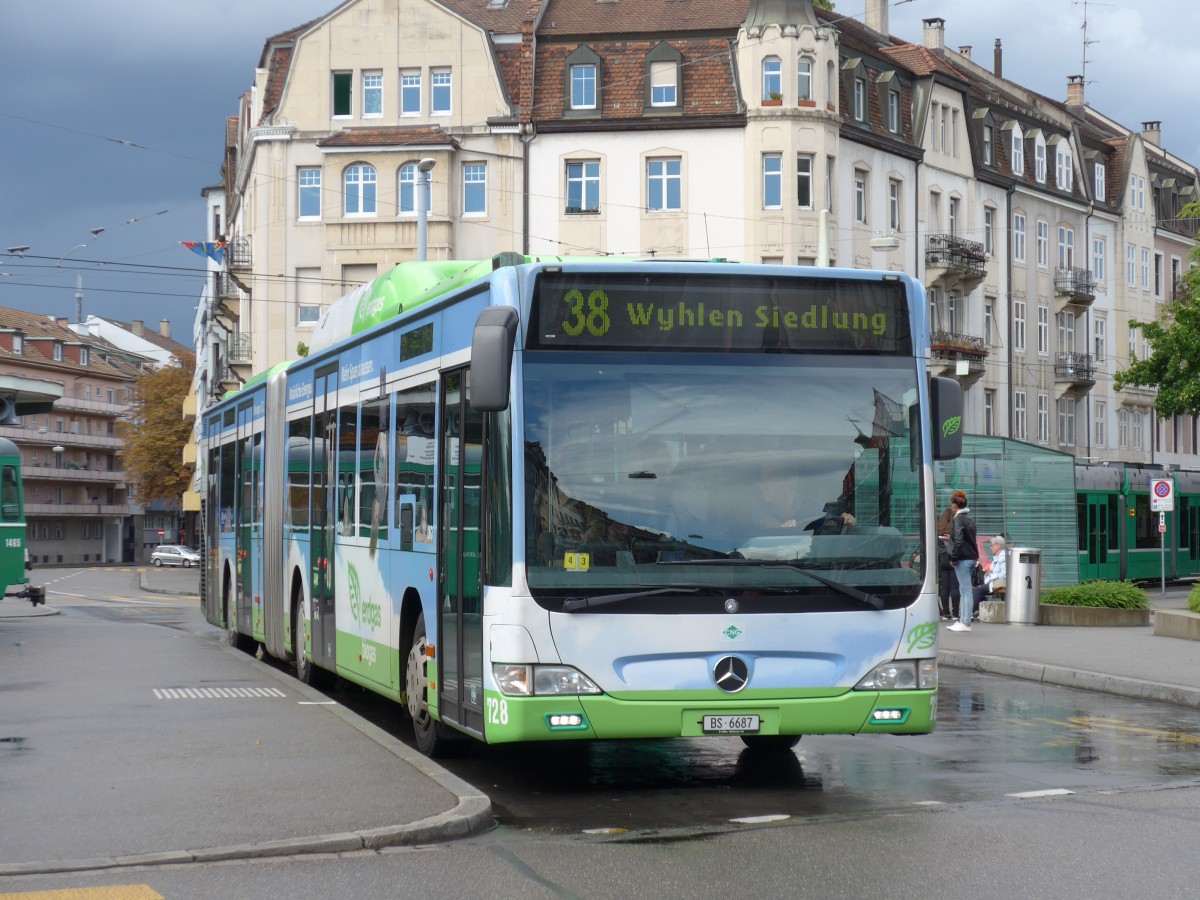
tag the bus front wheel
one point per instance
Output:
(430, 735)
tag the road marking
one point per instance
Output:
(1051, 792)
(115, 892)
(760, 820)
(317, 703)
(215, 693)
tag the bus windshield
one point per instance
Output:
(652, 470)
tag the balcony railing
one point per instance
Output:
(240, 349)
(238, 251)
(952, 345)
(1075, 283)
(955, 253)
(1079, 368)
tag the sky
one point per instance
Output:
(114, 119)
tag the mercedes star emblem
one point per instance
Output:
(731, 674)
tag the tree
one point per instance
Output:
(1173, 366)
(155, 433)
(823, 4)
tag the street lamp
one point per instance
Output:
(58, 264)
(424, 181)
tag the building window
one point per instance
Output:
(894, 210)
(58, 352)
(372, 94)
(1100, 339)
(772, 78)
(1133, 354)
(1066, 247)
(410, 93)
(1122, 429)
(474, 189)
(1063, 168)
(18, 345)
(583, 86)
(989, 231)
(1138, 192)
(935, 211)
(989, 323)
(360, 190)
(860, 197)
(1100, 419)
(772, 174)
(830, 175)
(987, 145)
(1018, 237)
(1066, 332)
(804, 181)
(1145, 269)
(307, 314)
(1043, 330)
(894, 112)
(1130, 265)
(860, 99)
(663, 83)
(1099, 181)
(1018, 324)
(989, 411)
(440, 101)
(1018, 151)
(583, 187)
(1043, 244)
(309, 180)
(1043, 414)
(804, 79)
(954, 204)
(83, 356)
(1160, 263)
(1137, 430)
(1066, 422)
(664, 184)
(408, 189)
(1039, 159)
(1098, 260)
(343, 94)
(1020, 426)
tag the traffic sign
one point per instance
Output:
(1162, 495)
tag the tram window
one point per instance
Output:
(10, 495)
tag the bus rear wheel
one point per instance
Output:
(306, 672)
(430, 735)
(770, 743)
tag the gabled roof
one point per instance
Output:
(390, 136)
(660, 17)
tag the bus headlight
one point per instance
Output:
(542, 681)
(901, 675)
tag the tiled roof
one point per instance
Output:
(579, 17)
(37, 326)
(491, 15)
(389, 136)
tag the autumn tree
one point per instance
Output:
(1173, 366)
(155, 433)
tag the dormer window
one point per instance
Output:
(83, 356)
(664, 65)
(1063, 169)
(58, 352)
(583, 88)
(1039, 157)
(18, 347)
(1099, 187)
(1018, 150)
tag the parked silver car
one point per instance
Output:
(174, 555)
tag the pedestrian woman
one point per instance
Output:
(948, 599)
(964, 553)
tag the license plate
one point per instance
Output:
(732, 724)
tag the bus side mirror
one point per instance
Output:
(492, 345)
(946, 412)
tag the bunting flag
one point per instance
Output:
(214, 250)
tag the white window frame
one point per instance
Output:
(583, 85)
(372, 88)
(895, 204)
(1017, 157)
(1018, 237)
(664, 173)
(308, 185)
(1043, 414)
(988, 137)
(1020, 415)
(1018, 325)
(805, 180)
(952, 217)
(989, 411)
(772, 180)
(474, 196)
(1130, 265)
(406, 190)
(360, 184)
(441, 92)
(664, 83)
(989, 231)
(1066, 421)
(1122, 429)
(895, 119)
(1043, 244)
(585, 174)
(1099, 246)
(860, 99)
(1099, 339)
(772, 77)
(1100, 421)
(1039, 159)
(1064, 167)
(410, 92)
(804, 89)
(1145, 269)
(1099, 175)
(860, 196)
(1043, 327)
(1066, 247)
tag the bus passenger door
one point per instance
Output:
(324, 518)
(460, 630)
(246, 559)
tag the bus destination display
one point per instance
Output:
(604, 311)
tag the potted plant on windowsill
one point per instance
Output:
(773, 99)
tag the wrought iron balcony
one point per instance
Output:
(1077, 368)
(955, 253)
(1075, 283)
(240, 349)
(238, 253)
(952, 345)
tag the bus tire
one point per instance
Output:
(306, 672)
(430, 735)
(233, 637)
(770, 743)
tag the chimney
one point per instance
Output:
(139, 327)
(1075, 91)
(965, 51)
(1152, 133)
(876, 17)
(935, 34)
(164, 328)
(61, 321)
(998, 60)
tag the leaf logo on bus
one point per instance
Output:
(354, 591)
(922, 636)
(951, 425)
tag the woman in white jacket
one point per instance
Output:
(996, 575)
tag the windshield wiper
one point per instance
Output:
(847, 590)
(575, 604)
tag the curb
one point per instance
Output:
(471, 814)
(1061, 676)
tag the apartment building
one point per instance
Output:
(758, 130)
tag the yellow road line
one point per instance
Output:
(116, 892)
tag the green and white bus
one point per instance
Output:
(537, 499)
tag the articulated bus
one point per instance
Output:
(536, 499)
(14, 552)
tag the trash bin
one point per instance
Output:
(1023, 588)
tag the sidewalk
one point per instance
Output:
(1128, 661)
